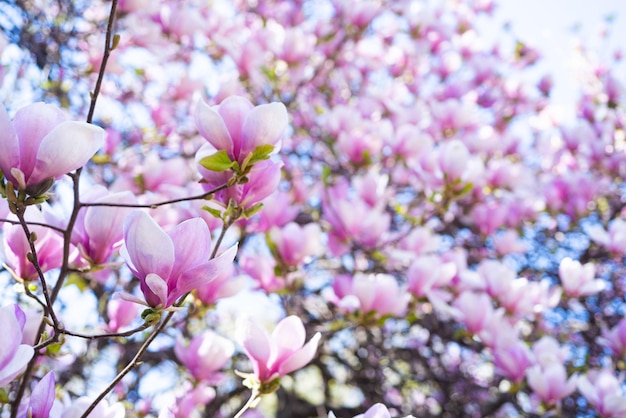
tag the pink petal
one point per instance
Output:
(200, 275)
(42, 398)
(149, 248)
(266, 124)
(256, 343)
(103, 225)
(158, 286)
(11, 332)
(9, 144)
(234, 111)
(67, 147)
(32, 124)
(212, 128)
(301, 357)
(288, 337)
(190, 252)
(18, 363)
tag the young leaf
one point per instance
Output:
(217, 162)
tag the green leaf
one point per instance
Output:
(260, 153)
(248, 212)
(217, 162)
(213, 211)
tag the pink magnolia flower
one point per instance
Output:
(512, 358)
(170, 265)
(222, 286)
(279, 353)
(98, 229)
(577, 279)
(49, 246)
(295, 244)
(370, 293)
(238, 127)
(40, 144)
(205, 355)
(14, 356)
(604, 391)
(474, 310)
(615, 338)
(121, 313)
(550, 383)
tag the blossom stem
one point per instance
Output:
(252, 401)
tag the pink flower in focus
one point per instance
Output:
(205, 355)
(277, 354)
(40, 145)
(238, 127)
(170, 265)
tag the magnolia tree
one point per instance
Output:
(304, 208)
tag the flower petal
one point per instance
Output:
(150, 249)
(256, 343)
(32, 124)
(192, 244)
(158, 287)
(103, 225)
(234, 110)
(18, 363)
(202, 274)
(301, 357)
(42, 398)
(266, 124)
(288, 337)
(67, 147)
(212, 128)
(9, 144)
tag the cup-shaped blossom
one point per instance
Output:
(295, 244)
(40, 145)
(512, 358)
(98, 229)
(578, 279)
(49, 247)
(14, 356)
(205, 355)
(370, 294)
(169, 265)
(604, 391)
(238, 127)
(550, 383)
(279, 353)
(121, 313)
